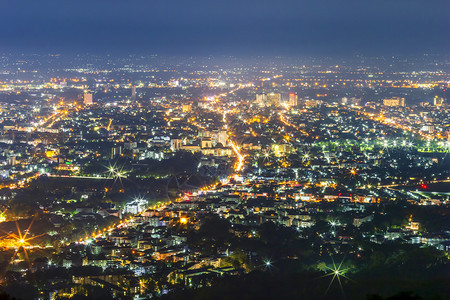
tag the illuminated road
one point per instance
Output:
(109, 125)
(43, 122)
(252, 132)
(54, 118)
(389, 122)
(408, 184)
(287, 123)
(80, 177)
(23, 183)
(240, 163)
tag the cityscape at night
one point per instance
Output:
(148, 159)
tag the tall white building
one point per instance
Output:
(293, 99)
(135, 206)
(87, 99)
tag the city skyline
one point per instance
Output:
(224, 150)
(159, 176)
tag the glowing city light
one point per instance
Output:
(240, 163)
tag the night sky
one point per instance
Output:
(227, 27)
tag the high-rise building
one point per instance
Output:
(87, 99)
(351, 101)
(116, 151)
(133, 92)
(261, 99)
(293, 99)
(273, 99)
(438, 101)
(186, 108)
(310, 103)
(427, 128)
(394, 101)
(175, 144)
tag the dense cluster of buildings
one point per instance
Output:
(125, 164)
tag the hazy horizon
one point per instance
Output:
(227, 28)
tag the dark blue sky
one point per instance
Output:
(227, 27)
